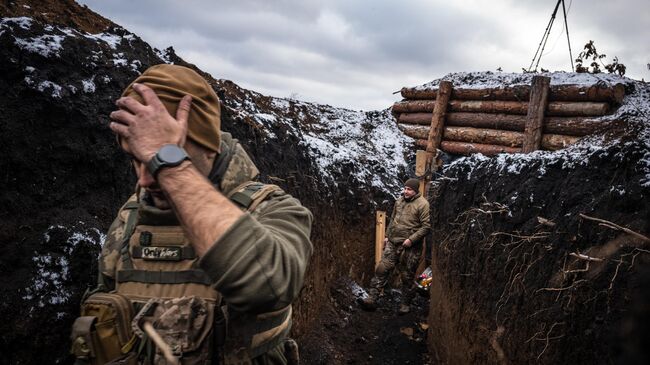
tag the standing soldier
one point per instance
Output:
(408, 226)
(202, 263)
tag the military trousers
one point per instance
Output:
(406, 259)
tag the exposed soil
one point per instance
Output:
(507, 286)
(64, 179)
(345, 334)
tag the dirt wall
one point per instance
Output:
(63, 177)
(519, 275)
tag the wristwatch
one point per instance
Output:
(169, 155)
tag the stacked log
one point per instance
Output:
(493, 120)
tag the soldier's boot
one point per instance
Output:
(369, 303)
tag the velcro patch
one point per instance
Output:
(162, 253)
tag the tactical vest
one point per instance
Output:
(159, 277)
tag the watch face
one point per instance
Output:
(171, 154)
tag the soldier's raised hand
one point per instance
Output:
(147, 127)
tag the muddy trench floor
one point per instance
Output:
(346, 334)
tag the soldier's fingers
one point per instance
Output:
(148, 95)
(183, 115)
(130, 104)
(122, 117)
(119, 129)
(183, 111)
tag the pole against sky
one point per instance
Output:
(355, 54)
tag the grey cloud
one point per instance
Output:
(349, 53)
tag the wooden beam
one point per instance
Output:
(550, 142)
(554, 142)
(613, 94)
(555, 108)
(421, 168)
(571, 126)
(438, 122)
(536, 107)
(465, 148)
(468, 134)
(380, 234)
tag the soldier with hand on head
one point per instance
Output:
(207, 256)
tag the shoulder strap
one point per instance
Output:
(251, 193)
(220, 165)
(129, 228)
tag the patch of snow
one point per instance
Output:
(55, 89)
(23, 22)
(357, 290)
(488, 79)
(135, 65)
(45, 45)
(163, 55)
(50, 283)
(89, 85)
(119, 60)
(112, 40)
(347, 146)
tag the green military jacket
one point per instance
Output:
(410, 219)
(258, 265)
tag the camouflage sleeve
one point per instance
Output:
(110, 254)
(258, 265)
(425, 222)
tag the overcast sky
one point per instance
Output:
(354, 54)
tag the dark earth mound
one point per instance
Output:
(519, 274)
(63, 178)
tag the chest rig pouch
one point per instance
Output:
(158, 274)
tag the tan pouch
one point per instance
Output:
(184, 324)
(103, 332)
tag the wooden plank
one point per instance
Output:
(535, 117)
(575, 126)
(550, 142)
(484, 136)
(465, 148)
(554, 142)
(420, 161)
(421, 168)
(380, 234)
(555, 108)
(571, 126)
(468, 134)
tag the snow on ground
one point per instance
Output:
(51, 282)
(357, 290)
(49, 43)
(365, 146)
(489, 79)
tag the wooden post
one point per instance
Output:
(421, 167)
(438, 122)
(380, 233)
(535, 118)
